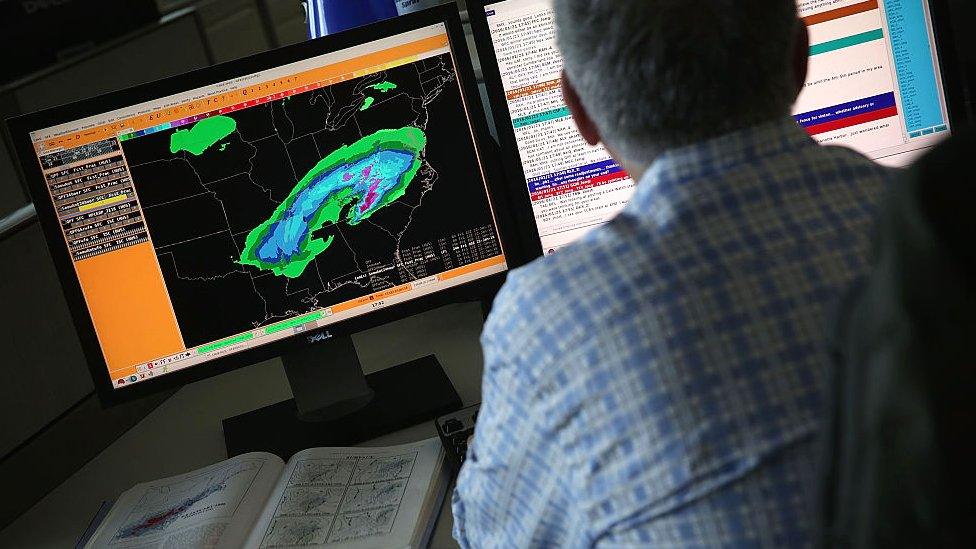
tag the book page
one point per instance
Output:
(352, 497)
(211, 507)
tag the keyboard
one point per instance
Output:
(454, 430)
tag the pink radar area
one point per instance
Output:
(371, 196)
(347, 177)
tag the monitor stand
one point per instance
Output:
(336, 405)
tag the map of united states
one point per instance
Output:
(282, 208)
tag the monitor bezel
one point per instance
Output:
(511, 160)
(481, 290)
(947, 56)
(945, 53)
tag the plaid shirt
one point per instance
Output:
(659, 382)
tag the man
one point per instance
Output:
(659, 382)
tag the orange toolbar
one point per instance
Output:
(330, 74)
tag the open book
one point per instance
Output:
(339, 497)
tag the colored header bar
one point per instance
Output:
(533, 89)
(840, 13)
(847, 41)
(572, 175)
(294, 323)
(541, 117)
(844, 110)
(250, 95)
(852, 121)
(848, 114)
(225, 343)
(105, 202)
(580, 185)
(472, 268)
(372, 298)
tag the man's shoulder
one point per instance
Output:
(574, 269)
(560, 292)
(632, 266)
(839, 158)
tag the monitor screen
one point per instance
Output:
(573, 187)
(874, 84)
(226, 217)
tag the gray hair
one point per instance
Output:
(659, 74)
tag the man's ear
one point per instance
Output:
(801, 56)
(587, 127)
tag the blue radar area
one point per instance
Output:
(359, 180)
(363, 182)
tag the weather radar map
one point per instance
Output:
(188, 501)
(318, 198)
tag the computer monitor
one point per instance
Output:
(875, 84)
(249, 210)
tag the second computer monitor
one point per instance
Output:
(875, 84)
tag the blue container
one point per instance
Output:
(332, 16)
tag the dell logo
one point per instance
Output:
(321, 336)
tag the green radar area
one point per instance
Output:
(384, 86)
(202, 135)
(359, 179)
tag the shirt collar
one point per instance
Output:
(710, 159)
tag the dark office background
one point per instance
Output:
(67, 50)
(961, 14)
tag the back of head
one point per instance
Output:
(659, 74)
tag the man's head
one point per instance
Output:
(644, 76)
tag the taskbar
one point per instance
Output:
(308, 322)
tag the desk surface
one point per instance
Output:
(184, 433)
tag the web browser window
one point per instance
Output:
(874, 85)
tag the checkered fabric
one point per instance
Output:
(659, 382)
